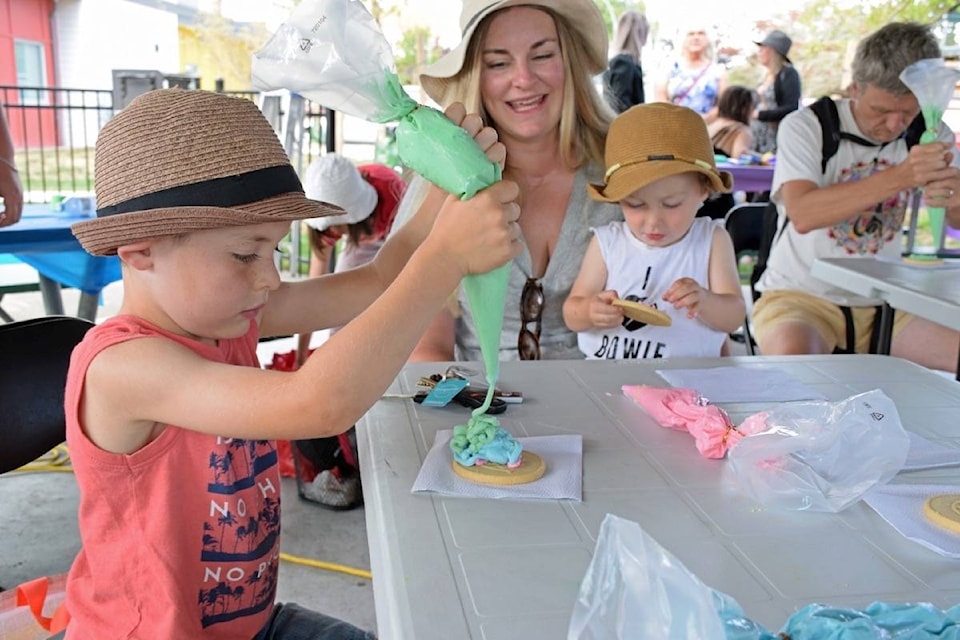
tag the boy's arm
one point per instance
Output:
(356, 289)
(132, 387)
(437, 342)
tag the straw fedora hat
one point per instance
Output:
(583, 15)
(651, 141)
(335, 179)
(175, 161)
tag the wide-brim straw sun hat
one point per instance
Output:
(175, 161)
(583, 15)
(335, 179)
(651, 141)
(779, 42)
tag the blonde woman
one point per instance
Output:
(779, 90)
(694, 79)
(527, 68)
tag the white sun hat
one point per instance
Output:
(336, 179)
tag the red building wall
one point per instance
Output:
(26, 20)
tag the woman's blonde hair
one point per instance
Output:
(584, 118)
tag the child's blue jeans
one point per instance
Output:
(292, 622)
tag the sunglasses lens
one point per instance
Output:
(528, 345)
(531, 301)
(531, 310)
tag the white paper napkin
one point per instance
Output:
(925, 454)
(563, 479)
(741, 384)
(901, 505)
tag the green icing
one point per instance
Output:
(931, 117)
(392, 100)
(487, 295)
(444, 153)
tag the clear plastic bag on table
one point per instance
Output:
(820, 456)
(634, 588)
(333, 52)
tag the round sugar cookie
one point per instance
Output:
(922, 260)
(643, 312)
(944, 510)
(532, 467)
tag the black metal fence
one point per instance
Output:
(55, 128)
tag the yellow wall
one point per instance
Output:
(218, 53)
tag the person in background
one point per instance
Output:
(730, 136)
(694, 79)
(527, 67)
(730, 132)
(661, 254)
(11, 190)
(779, 90)
(623, 78)
(171, 421)
(369, 194)
(855, 208)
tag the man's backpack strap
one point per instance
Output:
(916, 128)
(826, 111)
(768, 235)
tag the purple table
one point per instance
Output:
(749, 177)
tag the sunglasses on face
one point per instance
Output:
(531, 310)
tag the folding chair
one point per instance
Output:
(758, 230)
(745, 222)
(34, 357)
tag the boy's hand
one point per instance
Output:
(485, 137)
(687, 294)
(479, 234)
(602, 313)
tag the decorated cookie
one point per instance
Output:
(923, 260)
(944, 510)
(531, 467)
(485, 452)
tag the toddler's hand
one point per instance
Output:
(602, 313)
(686, 293)
(481, 233)
(485, 137)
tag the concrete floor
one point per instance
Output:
(38, 530)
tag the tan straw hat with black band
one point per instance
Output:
(652, 141)
(583, 15)
(175, 161)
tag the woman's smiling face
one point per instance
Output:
(522, 78)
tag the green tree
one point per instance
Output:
(826, 33)
(418, 48)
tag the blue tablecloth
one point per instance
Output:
(42, 239)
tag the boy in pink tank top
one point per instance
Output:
(171, 421)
